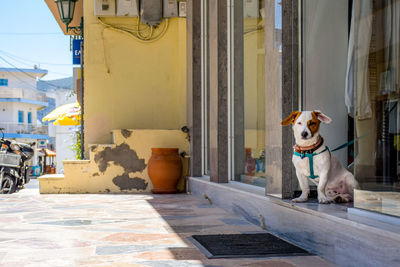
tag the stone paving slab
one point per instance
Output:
(118, 230)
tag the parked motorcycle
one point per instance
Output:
(13, 167)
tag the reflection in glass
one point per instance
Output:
(374, 90)
(351, 71)
(261, 20)
(254, 94)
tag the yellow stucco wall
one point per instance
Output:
(117, 168)
(130, 84)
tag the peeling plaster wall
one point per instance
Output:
(131, 84)
(117, 168)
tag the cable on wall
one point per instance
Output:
(143, 33)
(137, 33)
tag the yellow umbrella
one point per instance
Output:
(68, 121)
(68, 114)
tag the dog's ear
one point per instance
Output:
(322, 117)
(292, 117)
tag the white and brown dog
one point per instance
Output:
(313, 159)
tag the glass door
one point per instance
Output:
(351, 72)
(374, 85)
(255, 30)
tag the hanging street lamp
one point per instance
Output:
(66, 10)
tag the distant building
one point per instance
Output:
(20, 102)
(56, 91)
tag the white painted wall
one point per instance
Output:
(25, 108)
(325, 34)
(7, 112)
(19, 80)
(52, 130)
(65, 135)
(65, 138)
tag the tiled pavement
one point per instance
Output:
(117, 230)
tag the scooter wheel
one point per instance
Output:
(8, 184)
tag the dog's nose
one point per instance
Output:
(304, 134)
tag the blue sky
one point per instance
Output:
(278, 14)
(30, 35)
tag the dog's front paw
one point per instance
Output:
(299, 199)
(343, 198)
(324, 200)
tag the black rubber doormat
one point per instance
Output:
(245, 245)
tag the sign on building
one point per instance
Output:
(76, 51)
(42, 144)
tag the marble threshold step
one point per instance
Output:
(330, 231)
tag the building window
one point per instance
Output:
(3, 82)
(373, 80)
(355, 79)
(20, 116)
(252, 82)
(29, 117)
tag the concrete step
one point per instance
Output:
(84, 161)
(51, 183)
(51, 176)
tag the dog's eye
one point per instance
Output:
(312, 123)
(299, 123)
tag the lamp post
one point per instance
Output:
(66, 10)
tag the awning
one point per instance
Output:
(48, 152)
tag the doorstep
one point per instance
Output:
(346, 239)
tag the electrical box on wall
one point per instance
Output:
(170, 8)
(151, 12)
(251, 9)
(127, 8)
(104, 7)
(182, 9)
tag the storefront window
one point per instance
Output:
(351, 72)
(254, 93)
(373, 85)
(257, 40)
(325, 33)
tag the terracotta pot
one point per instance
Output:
(250, 163)
(165, 169)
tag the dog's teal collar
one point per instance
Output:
(310, 159)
